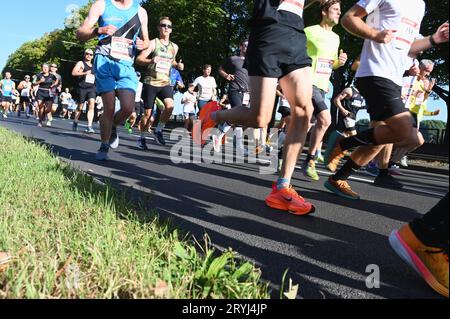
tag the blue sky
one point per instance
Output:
(29, 20)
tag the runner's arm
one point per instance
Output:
(440, 36)
(78, 70)
(87, 30)
(143, 57)
(353, 22)
(143, 16)
(344, 95)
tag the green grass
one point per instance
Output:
(72, 238)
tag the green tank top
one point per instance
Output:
(158, 74)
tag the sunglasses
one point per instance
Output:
(53, 66)
(89, 54)
(168, 26)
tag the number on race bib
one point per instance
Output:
(406, 33)
(164, 66)
(121, 48)
(90, 78)
(246, 99)
(324, 67)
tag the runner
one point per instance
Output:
(417, 101)
(349, 103)
(176, 81)
(277, 52)
(159, 58)
(56, 91)
(379, 79)
(120, 23)
(138, 106)
(234, 72)
(25, 88)
(86, 90)
(189, 101)
(207, 87)
(423, 245)
(44, 96)
(7, 88)
(323, 46)
(65, 101)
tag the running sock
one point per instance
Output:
(160, 127)
(348, 169)
(432, 229)
(283, 183)
(365, 138)
(318, 153)
(310, 157)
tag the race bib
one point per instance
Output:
(90, 78)
(121, 48)
(324, 67)
(246, 99)
(164, 65)
(406, 34)
(349, 122)
(207, 92)
(357, 103)
(293, 6)
(420, 99)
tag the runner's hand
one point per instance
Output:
(441, 35)
(385, 36)
(108, 30)
(437, 112)
(230, 77)
(342, 58)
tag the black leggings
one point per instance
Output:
(432, 229)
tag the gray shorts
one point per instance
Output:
(318, 100)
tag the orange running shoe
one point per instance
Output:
(341, 188)
(334, 153)
(206, 120)
(429, 262)
(287, 199)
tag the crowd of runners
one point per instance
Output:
(282, 67)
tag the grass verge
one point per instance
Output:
(71, 238)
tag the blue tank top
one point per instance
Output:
(128, 27)
(7, 87)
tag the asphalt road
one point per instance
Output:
(326, 253)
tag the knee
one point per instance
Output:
(258, 121)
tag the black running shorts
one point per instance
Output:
(383, 97)
(275, 50)
(44, 95)
(284, 111)
(152, 92)
(318, 99)
(84, 95)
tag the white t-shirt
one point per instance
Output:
(189, 105)
(65, 98)
(206, 87)
(382, 60)
(139, 92)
